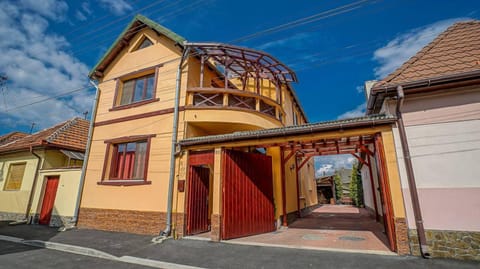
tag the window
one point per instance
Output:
(145, 43)
(138, 89)
(129, 160)
(15, 177)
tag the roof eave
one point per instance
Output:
(416, 86)
(300, 130)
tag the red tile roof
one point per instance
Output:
(455, 51)
(71, 134)
(7, 138)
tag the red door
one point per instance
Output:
(48, 200)
(197, 206)
(247, 204)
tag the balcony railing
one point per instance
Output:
(233, 99)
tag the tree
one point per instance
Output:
(338, 187)
(356, 187)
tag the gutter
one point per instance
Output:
(173, 152)
(32, 191)
(376, 92)
(85, 160)
(411, 176)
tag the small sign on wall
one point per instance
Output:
(181, 185)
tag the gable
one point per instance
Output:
(138, 23)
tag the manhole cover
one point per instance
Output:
(351, 238)
(312, 237)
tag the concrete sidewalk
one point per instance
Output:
(139, 249)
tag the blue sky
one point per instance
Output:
(48, 46)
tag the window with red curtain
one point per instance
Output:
(128, 160)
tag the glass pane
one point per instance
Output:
(150, 83)
(140, 156)
(131, 147)
(127, 92)
(139, 90)
(146, 43)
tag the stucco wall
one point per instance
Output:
(443, 133)
(16, 201)
(67, 191)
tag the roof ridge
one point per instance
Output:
(421, 53)
(57, 132)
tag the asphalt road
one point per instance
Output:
(18, 256)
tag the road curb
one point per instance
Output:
(70, 248)
(155, 263)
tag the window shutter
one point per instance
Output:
(15, 177)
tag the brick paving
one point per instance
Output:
(329, 226)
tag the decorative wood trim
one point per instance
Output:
(147, 157)
(105, 161)
(138, 116)
(124, 182)
(140, 103)
(132, 138)
(115, 96)
(132, 74)
(234, 108)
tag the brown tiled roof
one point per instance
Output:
(7, 138)
(71, 134)
(455, 51)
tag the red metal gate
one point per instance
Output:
(247, 204)
(197, 206)
(48, 200)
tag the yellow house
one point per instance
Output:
(40, 173)
(157, 89)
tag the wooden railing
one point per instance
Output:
(233, 99)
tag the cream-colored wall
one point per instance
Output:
(162, 52)
(16, 201)
(67, 191)
(142, 198)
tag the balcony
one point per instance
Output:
(233, 99)
(236, 78)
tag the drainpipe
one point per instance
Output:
(85, 160)
(411, 176)
(32, 192)
(171, 179)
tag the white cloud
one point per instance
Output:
(294, 40)
(360, 89)
(325, 170)
(359, 111)
(80, 16)
(327, 165)
(404, 46)
(38, 66)
(117, 7)
(86, 8)
(52, 9)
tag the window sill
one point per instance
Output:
(124, 182)
(141, 103)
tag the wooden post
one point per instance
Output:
(202, 71)
(284, 193)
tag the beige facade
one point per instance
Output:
(53, 164)
(152, 120)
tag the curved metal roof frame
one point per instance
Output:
(245, 62)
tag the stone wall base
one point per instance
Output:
(129, 221)
(55, 220)
(4, 216)
(463, 245)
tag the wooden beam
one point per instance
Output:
(360, 159)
